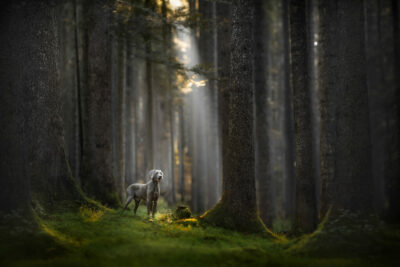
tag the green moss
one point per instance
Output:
(348, 235)
(93, 237)
(222, 216)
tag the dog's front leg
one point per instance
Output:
(149, 204)
(154, 207)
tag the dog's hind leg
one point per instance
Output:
(128, 200)
(137, 202)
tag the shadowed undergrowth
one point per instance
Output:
(97, 237)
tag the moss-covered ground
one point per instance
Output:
(94, 237)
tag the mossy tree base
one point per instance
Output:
(225, 216)
(347, 234)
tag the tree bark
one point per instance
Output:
(34, 164)
(223, 62)
(238, 208)
(345, 140)
(300, 44)
(97, 170)
(262, 149)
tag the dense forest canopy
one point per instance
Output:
(265, 117)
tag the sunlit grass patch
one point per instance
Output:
(164, 217)
(188, 222)
(91, 214)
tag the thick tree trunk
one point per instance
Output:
(97, 170)
(34, 164)
(345, 141)
(380, 69)
(305, 212)
(223, 63)
(238, 208)
(382, 48)
(17, 24)
(262, 149)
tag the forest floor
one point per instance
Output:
(115, 238)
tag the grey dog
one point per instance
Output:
(149, 192)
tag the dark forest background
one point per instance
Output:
(283, 109)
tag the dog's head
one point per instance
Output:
(156, 175)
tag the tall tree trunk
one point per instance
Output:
(97, 170)
(78, 40)
(130, 129)
(279, 109)
(166, 32)
(118, 95)
(207, 43)
(381, 33)
(223, 63)
(379, 49)
(69, 79)
(149, 96)
(238, 208)
(195, 183)
(345, 141)
(181, 151)
(300, 44)
(393, 144)
(172, 148)
(262, 150)
(288, 129)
